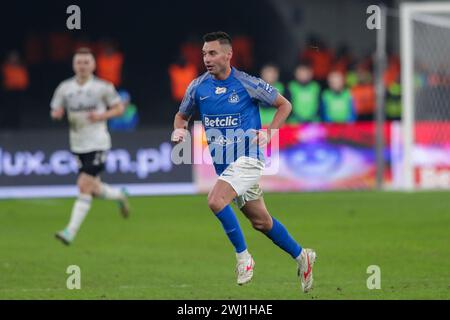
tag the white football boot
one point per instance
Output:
(123, 204)
(305, 269)
(244, 270)
(65, 236)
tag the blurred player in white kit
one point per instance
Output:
(89, 103)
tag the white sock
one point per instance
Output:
(242, 255)
(79, 211)
(299, 258)
(108, 192)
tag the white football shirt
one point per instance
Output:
(79, 100)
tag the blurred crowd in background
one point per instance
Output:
(325, 85)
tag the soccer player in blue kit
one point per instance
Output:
(227, 100)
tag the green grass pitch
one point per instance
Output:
(173, 248)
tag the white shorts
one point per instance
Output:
(243, 175)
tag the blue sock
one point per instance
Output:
(281, 237)
(231, 226)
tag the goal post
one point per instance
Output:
(425, 81)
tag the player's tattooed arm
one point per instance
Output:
(180, 125)
(115, 110)
(284, 108)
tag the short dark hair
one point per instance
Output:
(304, 63)
(84, 50)
(220, 36)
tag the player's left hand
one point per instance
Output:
(95, 117)
(262, 138)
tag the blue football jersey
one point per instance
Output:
(229, 110)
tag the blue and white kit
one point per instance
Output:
(229, 110)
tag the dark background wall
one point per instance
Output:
(148, 33)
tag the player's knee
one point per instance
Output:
(84, 189)
(215, 203)
(262, 224)
(84, 186)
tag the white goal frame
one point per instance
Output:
(407, 11)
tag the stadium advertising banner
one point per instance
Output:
(39, 164)
(313, 157)
(430, 155)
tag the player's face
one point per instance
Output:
(216, 57)
(83, 65)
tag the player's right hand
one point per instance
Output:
(178, 135)
(57, 114)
